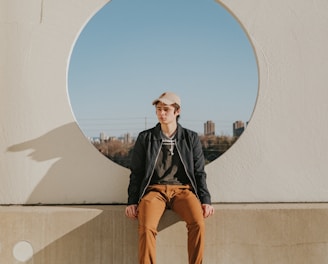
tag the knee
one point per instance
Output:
(145, 230)
(198, 226)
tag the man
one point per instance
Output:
(167, 171)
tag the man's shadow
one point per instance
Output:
(75, 177)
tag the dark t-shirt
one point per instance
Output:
(169, 168)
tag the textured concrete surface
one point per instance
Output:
(236, 234)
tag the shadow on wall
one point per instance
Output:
(77, 176)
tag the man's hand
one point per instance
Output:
(131, 211)
(208, 210)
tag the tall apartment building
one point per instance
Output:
(238, 128)
(209, 128)
(127, 138)
(102, 136)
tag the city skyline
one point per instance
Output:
(150, 122)
(208, 130)
(131, 52)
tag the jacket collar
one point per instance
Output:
(157, 132)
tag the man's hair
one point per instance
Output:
(176, 108)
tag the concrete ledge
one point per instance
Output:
(236, 234)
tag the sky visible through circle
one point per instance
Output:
(132, 51)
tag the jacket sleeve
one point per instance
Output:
(137, 168)
(199, 171)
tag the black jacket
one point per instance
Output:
(146, 150)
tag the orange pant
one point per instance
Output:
(181, 200)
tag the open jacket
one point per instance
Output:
(145, 153)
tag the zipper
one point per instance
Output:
(184, 166)
(152, 172)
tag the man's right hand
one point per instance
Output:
(131, 211)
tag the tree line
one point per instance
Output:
(121, 152)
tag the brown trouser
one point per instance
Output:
(181, 200)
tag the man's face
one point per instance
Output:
(166, 114)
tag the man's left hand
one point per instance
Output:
(208, 210)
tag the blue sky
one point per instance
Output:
(132, 51)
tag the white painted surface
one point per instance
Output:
(282, 155)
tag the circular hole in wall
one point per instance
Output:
(23, 251)
(131, 52)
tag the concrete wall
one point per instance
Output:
(281, 157)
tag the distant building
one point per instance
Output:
(238, 128)
(94, 140)
(127, 138)
(102, 137)
(209, 128)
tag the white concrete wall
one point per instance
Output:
(281, 157)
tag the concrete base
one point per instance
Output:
(236, 234)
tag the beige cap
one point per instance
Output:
(168, 98)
